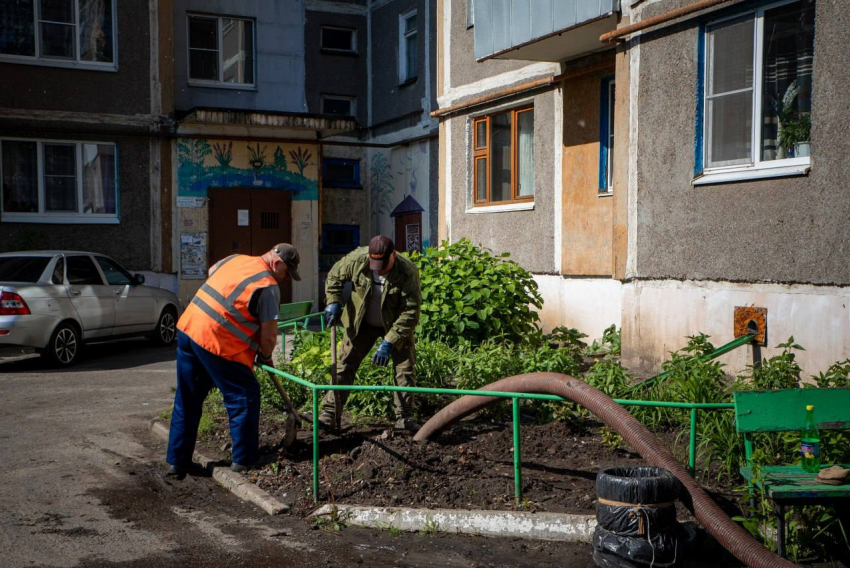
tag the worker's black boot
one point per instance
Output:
(408, 424)
(180, 472)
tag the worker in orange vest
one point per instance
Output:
(230, 323)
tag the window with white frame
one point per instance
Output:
(758, 89)
(606, 137)
(341, 40)
(408, 57)
(59, 181)
(59, 32)
(221, 50)
(338, 105)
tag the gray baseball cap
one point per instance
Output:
(289, 255)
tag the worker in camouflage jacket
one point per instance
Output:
(385, 303)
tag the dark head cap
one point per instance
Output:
(290, 257)
(380, 250)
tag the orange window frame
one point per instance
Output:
(481, 151)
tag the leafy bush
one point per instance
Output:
(609, 344)
(837, 376)
(779, 372)
(468, 294)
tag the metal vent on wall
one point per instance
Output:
(269, 220)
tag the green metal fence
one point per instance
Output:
(515, 397)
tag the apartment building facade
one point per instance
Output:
(84, 121)
(375, 61)
(663, 179)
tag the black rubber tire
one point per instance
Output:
(165, 331)
(666, 548)
(64, 347)
(627, 521)
(635, 485)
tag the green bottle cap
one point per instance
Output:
(810, 407)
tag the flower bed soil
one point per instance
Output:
(467, 467)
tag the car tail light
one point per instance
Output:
(12, 305)
(4, 332)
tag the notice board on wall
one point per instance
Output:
(193, 255)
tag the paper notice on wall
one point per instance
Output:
(242, 217)
(191, 201)
(193, 255)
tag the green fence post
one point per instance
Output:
(517, 454)
(315, 445)
(692, 452)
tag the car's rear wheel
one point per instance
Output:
(64, 346)
(166, 328)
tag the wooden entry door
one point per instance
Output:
(249, 221)
(408, 232)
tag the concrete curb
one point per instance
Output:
(230, 480)
(535, 526)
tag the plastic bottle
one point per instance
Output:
(810, 443)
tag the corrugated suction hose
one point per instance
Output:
(734, 538)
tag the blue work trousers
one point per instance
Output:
(198, 371)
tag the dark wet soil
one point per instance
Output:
(467, 467)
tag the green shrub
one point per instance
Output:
(468, 294)
(609, 344)
(779, 372)
(837, 376)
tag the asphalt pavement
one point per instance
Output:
(82, 486)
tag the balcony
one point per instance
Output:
(541, 30)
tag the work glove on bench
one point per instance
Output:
(332, 313)
(382, 355)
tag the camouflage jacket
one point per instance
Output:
(400, 303)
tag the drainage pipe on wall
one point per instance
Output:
(734, 538)
(660, 19)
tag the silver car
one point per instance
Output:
(55, 301)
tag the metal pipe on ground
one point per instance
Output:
(734, 538)
(660, 19)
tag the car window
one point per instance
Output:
(22, 268)
(115, 275)
(59, 271)
(81, 270)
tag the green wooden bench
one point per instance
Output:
(783, 411)
(296, 315)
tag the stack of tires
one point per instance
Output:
(636, 516)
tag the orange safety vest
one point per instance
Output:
(218, 319)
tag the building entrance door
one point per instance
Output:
(249, 221)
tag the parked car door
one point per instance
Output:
(134, 304)
(90, 295)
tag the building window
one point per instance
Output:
(338, 105)
(408, 57)
(340, 239)
(341, 172)
(470, 13)
(606, 137)
(59, 181)
(503, 157)
(758, 90)
(341, 40)
(221, 50)
(62, 33)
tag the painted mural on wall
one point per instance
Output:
(393, 175)
(202, 164)
(381, 185)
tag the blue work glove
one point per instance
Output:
(382, 355)
(332, 313)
